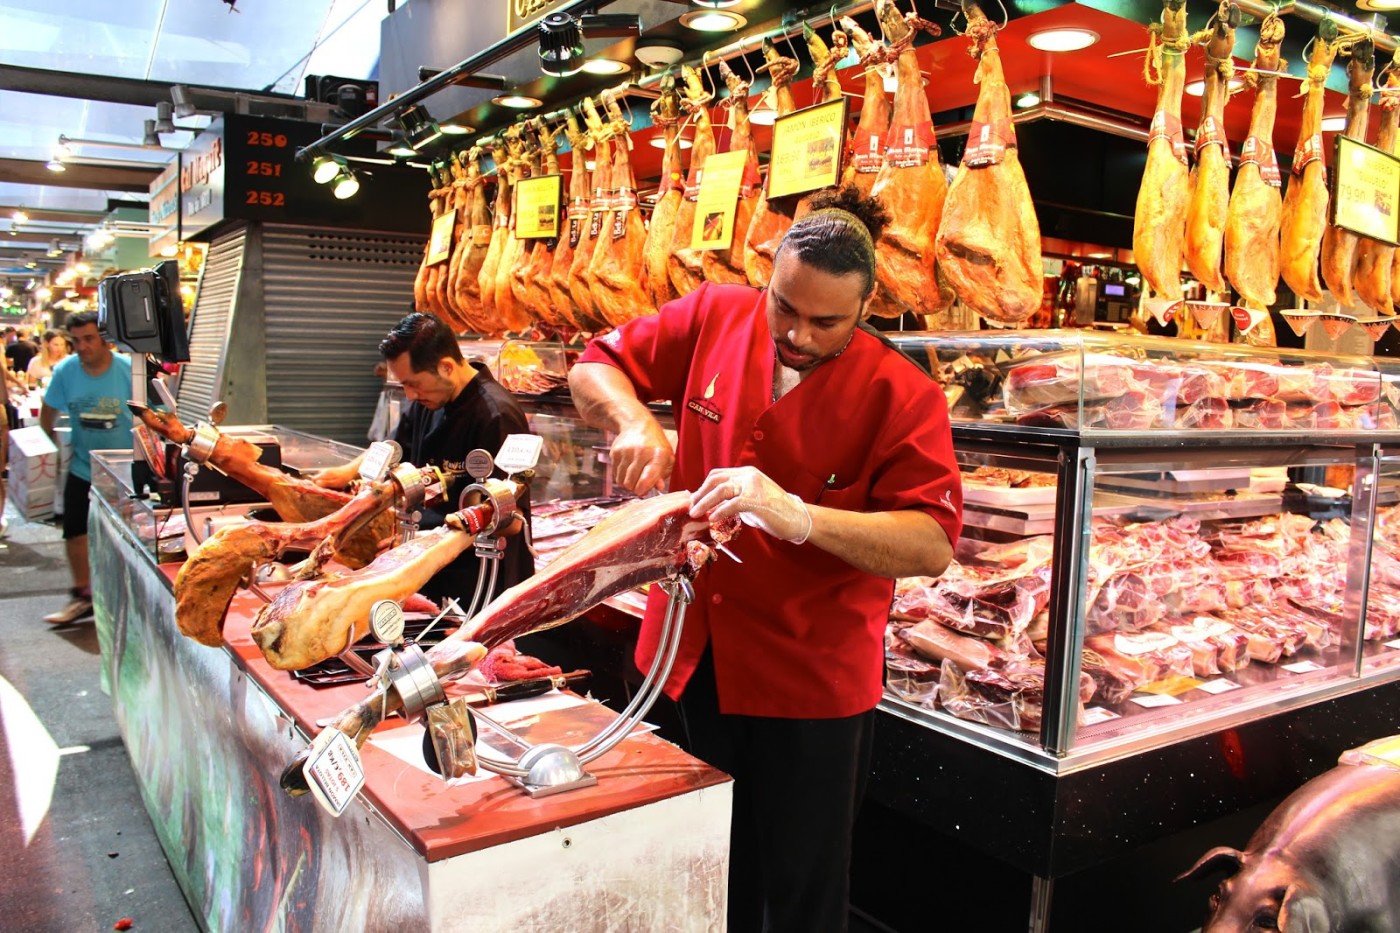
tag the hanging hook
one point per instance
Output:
(748, 65)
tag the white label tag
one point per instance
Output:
(1302, 667)
(1156, 699)
(1393, 644)
(380, 456)
(386, 621)
(1097, 714)
(520, 452)
(1218, 686)
(333, 771)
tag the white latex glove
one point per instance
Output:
(756, 500)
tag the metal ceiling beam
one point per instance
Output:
(92, 177)
(110, 88)
(51, 215)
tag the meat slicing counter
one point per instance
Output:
(1177, 598)
(209, 731)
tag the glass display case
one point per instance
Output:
(1161, 539)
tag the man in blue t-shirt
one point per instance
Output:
(92, 387)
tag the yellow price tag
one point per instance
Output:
(440, 244)
(807, 149)
(718, 200)
(538, 202)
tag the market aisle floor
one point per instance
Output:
(77, 851)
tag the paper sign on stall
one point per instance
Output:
(333, 771)
(440, 244)
(538, 203)
(718, 200)
(1366, 190)
(807, 149)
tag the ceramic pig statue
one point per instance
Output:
(1327, 860)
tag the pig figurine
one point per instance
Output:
(1327, 860)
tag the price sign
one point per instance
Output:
(538, 202)
(386, 621)
(718, 199)
(333, 772)
(807, 149)
(440, 244)
(520, 452)
(1366, 190)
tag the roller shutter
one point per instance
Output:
(201, 378)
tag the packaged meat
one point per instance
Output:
(991, 609)
(1144, 657)
(1059, 379)
(1011, 697)
(1268, 639)
(1216, 645)
(1266, 414)
(1126, 601)
(1212, 414)
(937, 642)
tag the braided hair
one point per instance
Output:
(839, 234)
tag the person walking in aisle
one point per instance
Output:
(92, 387)
(51, 352)
(837, 450)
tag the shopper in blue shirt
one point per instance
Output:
(92, 387)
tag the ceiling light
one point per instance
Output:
(763, 113)
(163, 122)
(54, 165)
(715, 4)
(658, 53)
(419, 127)
(399, 147)
(150, 137)
(605, 66)
(713, 21)
(345, 184)
(324, 168)
(1378, 6)
(517, 101)
(659, 141)
(561, 45)
(1062, 40)
(180, 94)
(170, 251)
(1334, 124)
(1028, 99)
(20, 217)
(590, 164)
(455, 129)
(1198, 88)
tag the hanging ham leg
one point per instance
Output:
(726, 266)
(580, 285)
(1305, 204)
(665, 113)
(424, 291)
(531, 280)
(562, 266)
(646, 541)
(1210, 180)
(619, 265)
(524, 162)
(911, 186)
(500, 224)
(868, 144)
(989, 243)
(1370, 273)
(823, 74)
(1256, 204)
(453, 192)
(476, 241)
(1159, 223)
(685, 263)
(771, 221)
(1339, 245)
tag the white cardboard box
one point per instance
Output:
(34, 462)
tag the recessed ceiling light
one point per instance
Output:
(54, 165)
(21, 217)
(715, 4)
(1028, 99)
(454, 129)
(590, 164)
(517, 101)
(1378, 6)
(1062, 40)
(713, 21)
(658, 53)
(1334, 124)
(659, 142)
(1197, 88)
(605, 66)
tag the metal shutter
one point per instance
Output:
(329, 298)
(202, 377)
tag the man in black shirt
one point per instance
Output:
(454, 407)
(20, 353)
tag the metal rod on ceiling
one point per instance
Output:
(1315, 13)
(1063, 114)
(111, 144)
(467, 66)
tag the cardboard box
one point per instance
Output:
(34, 463)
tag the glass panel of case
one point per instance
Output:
(1381, 651)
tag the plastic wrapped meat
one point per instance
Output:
(1268, 641)
(1126, 601)
(1246, 380)
(1354, 386)
(1321, 625)
(1134, 410)
(1382, 613)
(1012, 696)
(1305, 383)
(1141, 658)
(990, 610)
(1267, 414)
(1047, 381)
(1212, 414)
(1180, 385)
(937, 642)
(1060, 416)
(1216, 645)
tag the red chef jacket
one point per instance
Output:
(796, 632)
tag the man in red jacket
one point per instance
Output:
(836, 450)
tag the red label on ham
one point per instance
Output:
(1168, 126)
(1309, 150)
(868, 153)
(1209, 134)
(1260, 153)
(907, 146)
(987, 143)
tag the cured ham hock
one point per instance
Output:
(1210, 181)
(1305, 203)
(1159, 223)
(647, 541)
(1338, 244)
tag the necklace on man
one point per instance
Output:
(785, 378)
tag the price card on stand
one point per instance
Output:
(807, 149)
(718, 200)
(1366, 190)
(440, 243)
(538, 202)
(333, 771)
(520, 452)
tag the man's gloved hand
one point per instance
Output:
(756, 500)
(641, 457)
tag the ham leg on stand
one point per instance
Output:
(646, 541)
(472, 252)
(1159, 223)
(665, 113)
(561, 266)
(1256, 203)
(911, 185)
(1305, 203)
(531, 279)
(1339, 245)
(580, 284)
(771, 221)
(619, 263)
(684, 265)
(1210, 180)
(868, 144)
(988, 246)
(727, 265)
(1370, 273)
